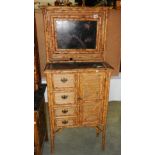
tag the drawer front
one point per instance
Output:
(64, 122)
(64, 97)
(63, 80)
(65, 111)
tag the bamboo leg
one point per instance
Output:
(52, 136)
(103, 137)
(97, 131)
(52, 144)
(52, 139)
(38, 150)
(45, 118)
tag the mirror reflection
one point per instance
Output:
(72, 34)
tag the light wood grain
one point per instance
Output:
(64, 98)
(63, 80)
(63, 111)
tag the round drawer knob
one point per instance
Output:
(64, 111)
(64, 96)
(64, 122)
(64, 80)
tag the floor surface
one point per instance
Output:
(83, 141)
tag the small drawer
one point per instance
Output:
(63, 80)
(64, 97)
(65, 111)
(66, 122)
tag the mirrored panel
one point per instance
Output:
(74, 34)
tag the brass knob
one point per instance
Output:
(64, 111)
(79, 98)
(64, 80)
(64, 96)
(64, 122)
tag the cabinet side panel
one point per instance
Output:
(113, 50)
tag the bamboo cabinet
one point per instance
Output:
(78, 96)
(76, 73)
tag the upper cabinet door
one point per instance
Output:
(91, 85)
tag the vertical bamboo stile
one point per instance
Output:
(106, 97)
(51, 112)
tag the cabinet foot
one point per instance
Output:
(52, 145)
(103, 138)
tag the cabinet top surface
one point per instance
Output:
(77, 65)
